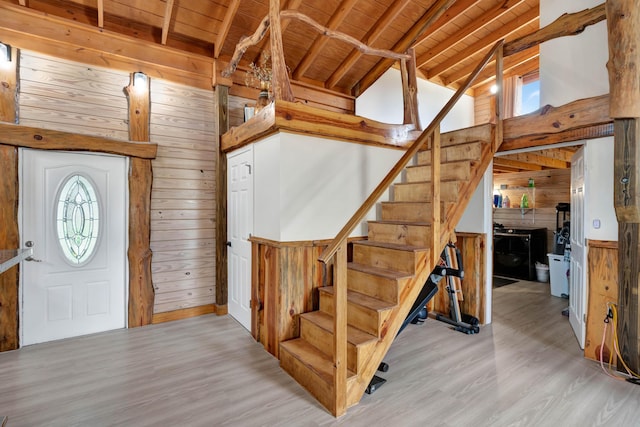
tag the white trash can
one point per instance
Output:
(542, 272)
(559, 269)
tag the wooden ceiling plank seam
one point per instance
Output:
(369, 39)
(484, 43)
(433, 13)
(486, 18)
(509, 63)
(538, 159)
(336, 19)
(166, 22)
(226, 25)
(101, 13)
(458, 9)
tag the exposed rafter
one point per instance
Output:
(226, 25)
(100, 13)
(168, 11)
(468, 30)
(428, 18)
(334, 22)
(381, 25)
(457, 9)
(484, 43)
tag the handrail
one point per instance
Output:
(357, 217)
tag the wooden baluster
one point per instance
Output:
(435, 202)
(340, 329)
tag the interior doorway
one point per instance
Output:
(73, 214)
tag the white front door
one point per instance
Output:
(239, 229)
(577, 275)
(74, 216)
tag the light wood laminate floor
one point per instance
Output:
(524, 370)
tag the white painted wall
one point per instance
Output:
(383, 102)
(306, 188)
(573, 68)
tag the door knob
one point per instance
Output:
(28, 244)
(229, 244)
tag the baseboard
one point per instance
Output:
(221, 310)
(186, 313)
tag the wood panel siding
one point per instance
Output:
(183, 207)
(236, 109)
(602, 289)
(72, 97)
(552, 186)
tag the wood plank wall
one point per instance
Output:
(602, 288)
(236, 109)
(70, 96)
(183, 124)
(483, 108)
(551, 187)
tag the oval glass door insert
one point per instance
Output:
(77, 219)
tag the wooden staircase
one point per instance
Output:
(385, 275)
(341, 346)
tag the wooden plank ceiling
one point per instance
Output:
(447, 48)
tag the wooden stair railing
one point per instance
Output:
(336, 252)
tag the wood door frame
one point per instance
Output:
(36, 138)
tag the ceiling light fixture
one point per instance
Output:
(140, 81)
(5, 52)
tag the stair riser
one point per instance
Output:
(370, 321)
(409, 212)
(405, 234)
(391, 259)
(455, 172)
(323, 341)
(422, 191)
(374, 286)
(453, 153)
(307, 378)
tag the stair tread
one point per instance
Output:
(398, 222)
(313, 358)
(354, 335)
(363, 300)
(377, 271)
(397, 246)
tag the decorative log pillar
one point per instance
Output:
(623, 24)
(141, 292)
(9, 235)
(280, 80)
(410, 90)
(222, 285)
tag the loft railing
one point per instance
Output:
(336, 252)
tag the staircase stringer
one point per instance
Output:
(411, 290)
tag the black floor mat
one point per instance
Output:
(501, 281)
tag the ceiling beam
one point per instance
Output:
(489, 73)
(320, 41)
(563, 154)
(168, 11)
(466, 31)
(24, 3)
(226, 25)
(457, 9)
(539, 160)
(501, 161)
(101, 13)
(485, 43)
(372, 35)
(428, 18)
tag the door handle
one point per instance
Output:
(229, 244)
(32, 259)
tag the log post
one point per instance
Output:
(410, 90)
(623, 25)
(141, 292)
(9, 233)
(222, 285)
(280, 79)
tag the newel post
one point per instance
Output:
(340, 329)
(623, 25)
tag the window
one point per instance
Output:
(530, 95)
(77, 219)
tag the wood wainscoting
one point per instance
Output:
(602, 259)
(286, 276)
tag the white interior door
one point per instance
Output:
(74, 216)
(577, 275)
(239, 229)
